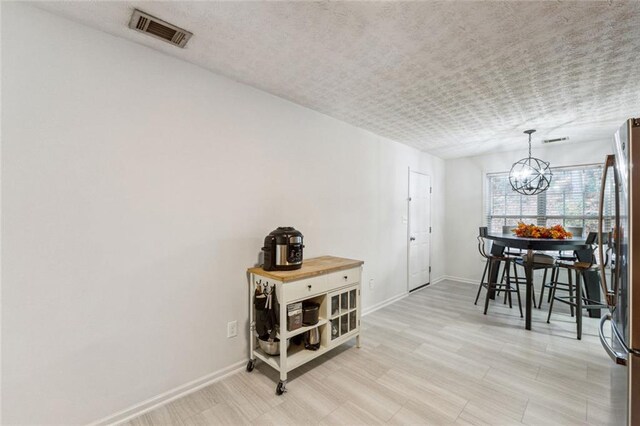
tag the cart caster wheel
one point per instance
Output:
(250, 365)
(280, 389)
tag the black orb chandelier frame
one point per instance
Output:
(530, 176)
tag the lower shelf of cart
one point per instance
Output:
(296, 356)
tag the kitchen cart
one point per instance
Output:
(334, 284)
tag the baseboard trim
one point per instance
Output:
(384, 303)
(438, 280)
(166, 397)
(459, 279)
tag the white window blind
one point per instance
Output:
(572, 200)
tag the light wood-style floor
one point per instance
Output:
(430, 358)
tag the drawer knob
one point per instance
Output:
(345, 277)
(309, 286)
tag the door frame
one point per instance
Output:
(409, 229)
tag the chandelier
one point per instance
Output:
(530, 176)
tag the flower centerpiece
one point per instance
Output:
(556, 232)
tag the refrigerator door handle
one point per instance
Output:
(616, 235)
(617, 357)
(610, 296)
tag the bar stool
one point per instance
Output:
(494, 258)
(555, 274)
(577, 301)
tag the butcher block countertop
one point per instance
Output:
(310, 268)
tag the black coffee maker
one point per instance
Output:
(283, 249)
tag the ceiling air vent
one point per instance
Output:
(566, 138)
(158, 28)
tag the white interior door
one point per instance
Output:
(419, 229)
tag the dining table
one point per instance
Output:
(584, 253)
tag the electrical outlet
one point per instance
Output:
(232, 329)
(371, 283)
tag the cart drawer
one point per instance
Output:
(304, 289)
(342, 278)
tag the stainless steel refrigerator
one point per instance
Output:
(620, 276)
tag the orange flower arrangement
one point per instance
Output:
(556, 232)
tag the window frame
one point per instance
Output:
(541, 218)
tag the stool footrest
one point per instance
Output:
(592, 304)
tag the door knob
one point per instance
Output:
(412, 239)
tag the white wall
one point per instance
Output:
(137, 189)
(464, 188)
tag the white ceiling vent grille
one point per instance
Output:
(158, 28)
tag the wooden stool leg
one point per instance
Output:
(484, 273)
(552, 294)
(502, 281)
(571, 289)
(544, 282)
(557, 277)
(579, 304)
(508, 291)
(542, 289)
(518, 294)
(533, 290)
(515, 271)
(505, 272)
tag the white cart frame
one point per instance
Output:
(321, 287)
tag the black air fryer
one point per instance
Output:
(283, 250)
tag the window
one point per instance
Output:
(571, 200)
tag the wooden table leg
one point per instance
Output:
(528, 268)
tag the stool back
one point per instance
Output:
(482, 232)
(590, 255)
(496, 249)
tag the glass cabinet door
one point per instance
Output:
(335, 305)
(335, 328)
(344, 324)
(344, 302)
(343, 317)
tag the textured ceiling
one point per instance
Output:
(450, 78)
